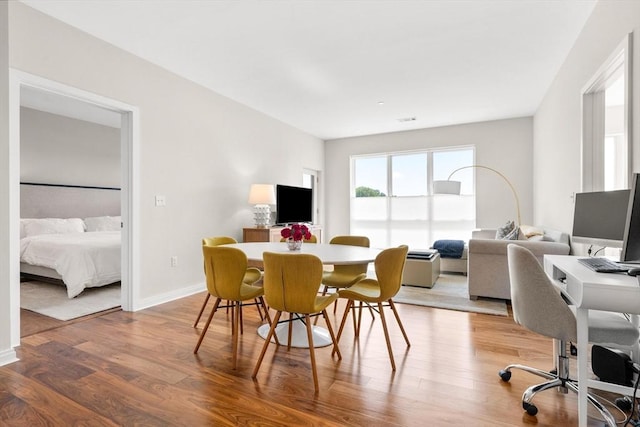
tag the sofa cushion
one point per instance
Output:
(506, 230)
(513, 234)
(530, 231)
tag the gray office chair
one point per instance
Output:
(538, 306)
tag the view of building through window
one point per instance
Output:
(392, 200)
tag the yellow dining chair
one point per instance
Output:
(344, 276)
(251, 276)
(225, 269)
(389, 265)
(291, 283)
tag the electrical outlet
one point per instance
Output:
(161, 201)
(174, 261)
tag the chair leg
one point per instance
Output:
(335, 303)
(357, 327)
(258, 304)
(344, 320)
(312, 352)
(236, 318)
(261, 303)
(266, 344)
(386, 336)
(267, 317)
(206, 300)
(233, 308)
(206, 326)
(290, 331)
(333, 337)
(239, 306)
(395, 312)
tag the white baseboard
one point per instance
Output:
(169, 296)
(8, 356)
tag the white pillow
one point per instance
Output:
(530, 230)
(23, 222)
(34, 227)
(103, 223)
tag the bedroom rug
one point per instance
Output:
(51, 300)
(450, 292)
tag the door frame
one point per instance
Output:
(130, 199)
(592, 110)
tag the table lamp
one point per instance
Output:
(261, 196)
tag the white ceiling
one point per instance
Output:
(324, 66)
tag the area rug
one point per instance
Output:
(51, 300)
(451, 292)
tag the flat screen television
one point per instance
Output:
(599, 218)
(293, 204)
(631, 243)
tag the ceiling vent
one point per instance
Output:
(407, 119)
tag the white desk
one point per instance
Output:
(593, 291)
(329, 254)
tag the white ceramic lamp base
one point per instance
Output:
(261, 215)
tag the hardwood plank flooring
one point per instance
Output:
(128, 369)
(33, 323)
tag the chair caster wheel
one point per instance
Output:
(623, 403)
(505, 375)
(530, 408)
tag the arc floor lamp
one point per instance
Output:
(453, 187)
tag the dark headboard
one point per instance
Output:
(67, 201)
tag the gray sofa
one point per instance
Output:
(488, 271)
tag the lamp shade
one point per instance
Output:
(262, 194)
(446, 187)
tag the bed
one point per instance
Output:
(81, 252)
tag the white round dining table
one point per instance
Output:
(330, 255)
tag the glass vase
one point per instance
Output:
(294, 245)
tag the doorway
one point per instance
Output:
(129, 143)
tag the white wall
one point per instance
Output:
(7, 303)
(505, 145)
(61, 150)
(557, 123)
(200, 150)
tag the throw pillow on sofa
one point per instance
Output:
(506, 232)
(530, 231)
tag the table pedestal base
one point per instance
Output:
(321, 336)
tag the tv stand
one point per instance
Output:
(272, 234)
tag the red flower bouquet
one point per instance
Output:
(296, 232)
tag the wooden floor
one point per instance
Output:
(138, 368)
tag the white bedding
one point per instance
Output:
(84, 260)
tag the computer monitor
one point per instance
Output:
(599, 218)
(631, 242)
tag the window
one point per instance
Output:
(392, 202)
(605, 111)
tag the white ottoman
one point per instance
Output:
(455, 265)
(421, 272)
